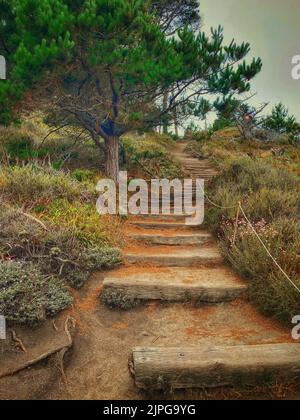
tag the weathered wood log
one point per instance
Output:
(176, 239)
(162, 225)
(178, 285)
(172, 257)
(206, 367)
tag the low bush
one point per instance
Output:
(268, 287)
(149, 156)
(30, 184)
(16, 143)
(225, 144)
(56, 250)
(36, 143)
(197, 135)
(118, 300)
(270, 199)
(84, 222)
(250, 175)
(84, 175)
(51, 236)
(27, 296)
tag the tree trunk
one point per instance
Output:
(112, 158)
(175, 121)
(247, 132)
(165, 107)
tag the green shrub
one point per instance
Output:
(251, 175)
(270, 204)
(268, 287)
(197, 135)
(16, 143)
(91, 260)
(270, 199)
(36, 183)
(55, 251)
(118, 300)
(85, 223)
(84, 175)
(150, 156)
(265, 192)
(27, 296)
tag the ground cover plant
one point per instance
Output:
(264, 177)
(50, 230)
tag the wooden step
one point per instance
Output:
(177, 285)
(162, 225)
(172, 218)
(169, 256)
(175, 239)
(206, 367)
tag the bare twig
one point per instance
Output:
(29, 216)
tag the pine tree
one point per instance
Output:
(281, 121)
(176, 14)
(105, 65)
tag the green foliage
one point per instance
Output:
(149, 155)
(268, 287)
(27, 296)
(225, 144)
(30, 142)
(16, 143)
(29, 183)
(270, 199)
(249, 175)
(59, 240)
(118, 300)
(221, 123)
(84, 222)
(125, 60)
(175, 14)
(58, 251)
(84, 175)
(281, 122)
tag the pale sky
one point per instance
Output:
(272, 27)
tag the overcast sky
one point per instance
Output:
(273, 29)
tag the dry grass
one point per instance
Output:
(148, 156)
(263, 177)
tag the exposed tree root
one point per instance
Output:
(60, 349)
(18, 341)
(61, 364)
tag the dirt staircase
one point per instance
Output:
(168, 261)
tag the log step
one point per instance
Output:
(162, 225)
(176, 239)
(207, 367)
(169, 256)
(177, 285)
(173, 218)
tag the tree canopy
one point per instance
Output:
(105, 65)
(175, 14)
(281, 121)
